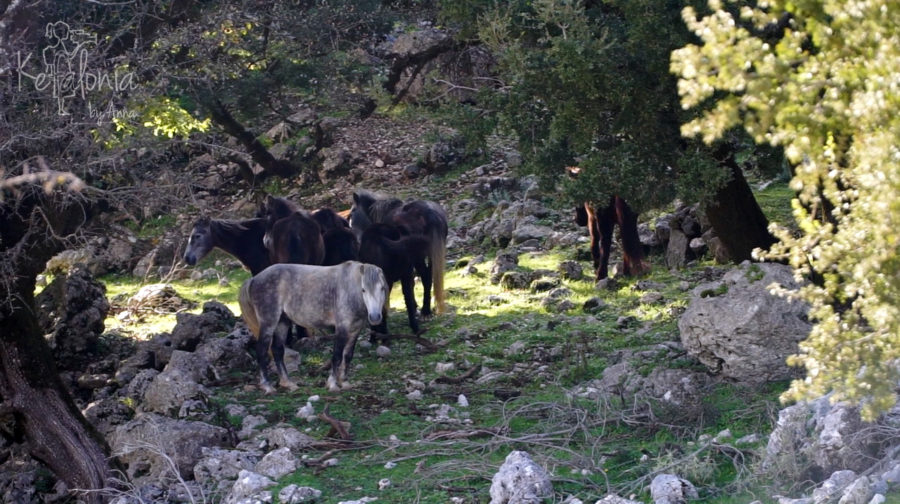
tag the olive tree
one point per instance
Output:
(822, 79)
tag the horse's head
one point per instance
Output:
(200, 242)
(374, 291)
(359, 220)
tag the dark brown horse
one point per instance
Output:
(242, 239)
(600, 222)
(338, 241)
(398, 256)
(295, 239)
(419, 217)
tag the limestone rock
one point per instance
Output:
(520, 481)
(736, 327)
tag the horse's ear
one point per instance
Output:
(269, 199)
(204, 220)
(355, 198)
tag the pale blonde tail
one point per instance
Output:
(438, 256)
(248, 312)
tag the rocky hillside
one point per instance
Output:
(539, 385)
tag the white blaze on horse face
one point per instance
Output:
(267, 240)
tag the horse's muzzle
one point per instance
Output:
(191, 259)
(375, 318)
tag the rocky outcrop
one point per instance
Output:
(72, 310)
(739, 329)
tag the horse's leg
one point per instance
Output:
(594, 231)
(407, 283)
(349, 349)
(337, 360)
(263, 343)
(605, 220)
(278, 339)
(423, 268)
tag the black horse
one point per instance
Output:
(424, 218)
(398, 256)
(242, 239)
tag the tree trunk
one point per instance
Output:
(55, 430)
(737, 218)
(255, 148)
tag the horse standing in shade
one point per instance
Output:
(600, 222)
(397, 255)
(348, 297)
(242, 239)
(419, 217)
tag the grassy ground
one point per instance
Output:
(432, 448)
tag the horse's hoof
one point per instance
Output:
(267, 389)
(331, 385)
(346, 385)
(291, 386)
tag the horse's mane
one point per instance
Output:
(231, 226)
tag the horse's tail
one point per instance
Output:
(632, 250)
(248, 312)
(437, 254)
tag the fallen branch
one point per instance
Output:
(337, 427)
(454, 380)
(459, 434)
(429, 346)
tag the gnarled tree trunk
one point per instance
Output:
(31, 226)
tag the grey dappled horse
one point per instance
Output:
(348, 297)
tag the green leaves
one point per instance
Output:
(822, 84)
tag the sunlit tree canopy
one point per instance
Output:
(822, 79)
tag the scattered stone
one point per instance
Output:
(652, 298)
(462, 401)
(544, 284)
(571, 270)
(609, 284)
(248, 484)
(593, 304)
(670, 489)
(383, 351)
(507, 260)
(249, 425)
(514, 280)
(520, 481)
(277, 463)
(384, 483)
(293, 494)
(307, 412)
(220, 464)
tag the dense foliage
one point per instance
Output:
(587, 84)
(820, 77)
